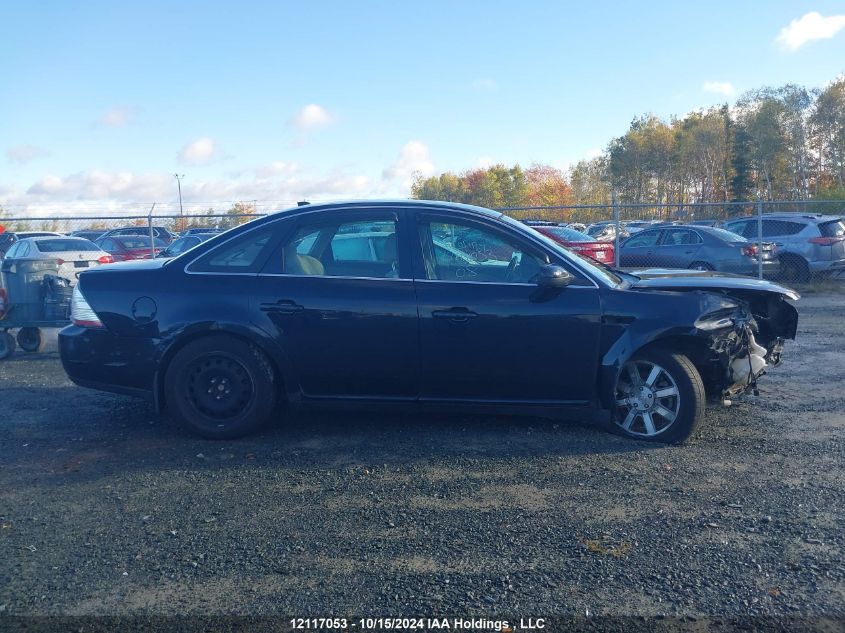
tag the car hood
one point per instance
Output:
(677, 279)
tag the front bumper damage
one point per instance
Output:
(748, 340)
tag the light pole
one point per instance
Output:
(178, 178)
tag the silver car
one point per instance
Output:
(807, 243)
(70, 255)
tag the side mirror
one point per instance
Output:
(554, 276)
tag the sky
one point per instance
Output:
(103, 102)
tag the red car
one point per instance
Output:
(578, 242)
(125, 247)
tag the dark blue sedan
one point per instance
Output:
(425, 304)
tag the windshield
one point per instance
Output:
(140, 242)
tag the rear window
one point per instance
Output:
(59, 245)
(833, 229)
(728, 236)
(241, 254)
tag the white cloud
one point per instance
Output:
(311, 116)
(116, 117)
(718, 87)
(413, 159)
(809, 27)
(25, 153)
(274, 170)
(484, 85)
(199, 152)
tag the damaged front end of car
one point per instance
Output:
(745, 337)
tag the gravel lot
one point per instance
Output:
(106, 508)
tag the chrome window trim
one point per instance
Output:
(353, 277)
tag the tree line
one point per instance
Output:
(785, 143)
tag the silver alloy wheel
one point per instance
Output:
(647, 399)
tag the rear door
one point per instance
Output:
(338, 296)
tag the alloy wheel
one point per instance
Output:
(647, 399)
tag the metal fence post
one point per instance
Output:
(759, 236)
(152, 237)
(616, 223)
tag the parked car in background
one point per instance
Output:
(71, 254)
(361, 304)
(578, 226)
(578, 242)
(696, 248)
(159, 232)
(184, 243)
(127, 247)
(22, 235)
(200, 229)
(703, 222)
(807, 244)
(606, 231)
(88, 234)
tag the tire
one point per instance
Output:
(30, 339)
(701, 266)
(7, 345)
(220, 387)
(639, 406)
(794, 269)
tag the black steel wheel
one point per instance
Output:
(220, 387)
(30, 339)
(659, 397)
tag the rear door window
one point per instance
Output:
(680, 237)
(360, 248)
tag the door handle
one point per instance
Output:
(282, 306)
(455, 315)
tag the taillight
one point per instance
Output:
(81, 313)
(749, 251)
(106, 259)
(59, 262)
(826, 241)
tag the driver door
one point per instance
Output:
(485, 336)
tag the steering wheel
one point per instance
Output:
(511, 267)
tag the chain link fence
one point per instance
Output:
(767, 239)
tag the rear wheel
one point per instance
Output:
(794, 269)
(7, 345)
(701, 266)
(220, 387)
(31, 339)
(659, 397)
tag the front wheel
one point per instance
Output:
(220, 387)
(659, 397)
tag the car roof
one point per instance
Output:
(818, 218)
(389, 202)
